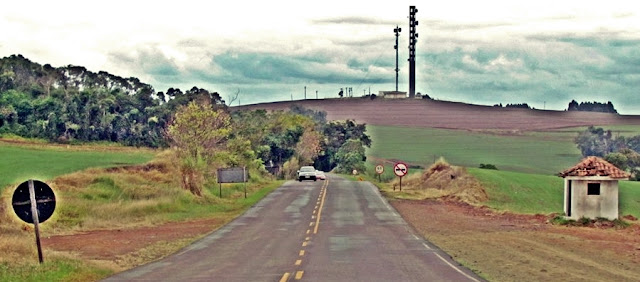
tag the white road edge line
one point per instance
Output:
(457, 269)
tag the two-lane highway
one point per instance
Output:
(333, 230)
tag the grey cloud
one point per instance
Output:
(440, 25)
(354, 21)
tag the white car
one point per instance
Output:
(320, 175)
(307, 173)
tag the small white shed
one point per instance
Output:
(591, 189)
(393, 94)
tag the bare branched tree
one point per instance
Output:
(234, 98)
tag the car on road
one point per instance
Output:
(320, 175)
(307, 173)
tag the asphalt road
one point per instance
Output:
(333, 230)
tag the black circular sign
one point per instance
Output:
(45, 201)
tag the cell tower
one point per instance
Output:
(397, 31)
(413, 38)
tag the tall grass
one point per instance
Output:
(110, 198)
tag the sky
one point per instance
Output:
(543, 53)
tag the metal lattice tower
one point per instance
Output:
(413, 38)
(397, 31)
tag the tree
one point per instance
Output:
(308, 147)
(350, 156)
(626, 159)
(336, 134)
(598, 142)
(197, 132)
(618, 159)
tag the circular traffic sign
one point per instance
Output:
(45, 201)
(400, 169)
(379, 169)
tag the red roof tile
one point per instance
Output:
(595, 166)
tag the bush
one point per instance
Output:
(290, 168)
(488, 166)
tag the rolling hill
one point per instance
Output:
(448, 115)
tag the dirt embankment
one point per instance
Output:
(121, 249)
(442, 180)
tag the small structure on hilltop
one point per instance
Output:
(591, 189)
(393, 94)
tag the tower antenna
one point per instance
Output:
(397, 31)
(413, 38)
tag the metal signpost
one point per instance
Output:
(233, 175)
(400, 170)
(379, 171)
(34, 202)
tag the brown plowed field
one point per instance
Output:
(441, 114)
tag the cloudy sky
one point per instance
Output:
(544, 53)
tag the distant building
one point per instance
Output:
(393, 94)
(591, 189)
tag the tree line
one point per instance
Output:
(592, 107)
(70, 103)
(621, 151)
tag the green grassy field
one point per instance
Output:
(19, 163)
(542, 153)
(527, 162)
(533, 193)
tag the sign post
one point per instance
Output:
(400, 170)
(379, 171)
(34, 202)
(233, 175)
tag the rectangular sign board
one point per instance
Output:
(232, 175)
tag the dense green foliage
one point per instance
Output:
(305, 134)
(622, 151)
(71, 103)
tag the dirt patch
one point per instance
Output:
(513, 247)
(112, 245)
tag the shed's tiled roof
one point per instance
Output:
(594, 166)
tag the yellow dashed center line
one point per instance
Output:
(285, 277)
(307, 240)
(324, 194)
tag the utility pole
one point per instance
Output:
(413, 38)
(305, 92)
(397, 31)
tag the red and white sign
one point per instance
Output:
(379, 169)
(400, 169)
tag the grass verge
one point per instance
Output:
(123, 197)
